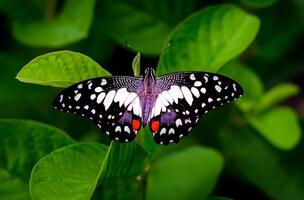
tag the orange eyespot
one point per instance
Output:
(155, 126)
(135, 124)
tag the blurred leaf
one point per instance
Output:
(206, 40)
(188, 174)
(276, 95)
(22, 144)
(278, 37)
(279, 126)
(253, 160)
(136, 65)
(259, 3)
(74, 171)
(60, 69)
(219, 198)
(14, 11)
(121, 189)
(144, 24)
(71, 172)
(249, 80)
(70, 26)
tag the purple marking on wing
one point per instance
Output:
(126, 117)
(168, 118)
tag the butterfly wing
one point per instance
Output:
(182, 100)
(110, 102)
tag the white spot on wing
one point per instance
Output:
(163, 100)
(93, 96)
(175, 93)
(127, 129)
(98, 89)
(103, 82)
(192, 77)
(77, 96)
(171, 131)
(61, 98)
(210, 100)
(157, 107)
(195, 92)
(218, 88)
(121, 96)
(118, 129)
(90, 85)
(206, 79)
(79, 86)
(167, 96)
(136, 107)
(187, 121)
(197, 83)
(109, 98)
(187, 95)
(234, 86)
(130, 98)
(100, 97)
(203, 90)
(215, 78)
(162, 131)
(178, 122)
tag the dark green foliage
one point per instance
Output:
(256, 140)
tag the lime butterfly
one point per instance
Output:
(171, 104)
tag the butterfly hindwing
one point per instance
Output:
(110, 102)
(184, 97)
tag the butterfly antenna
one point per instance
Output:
(168, 47)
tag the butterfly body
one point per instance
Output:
(171, 104)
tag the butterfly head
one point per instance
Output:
(149, 76)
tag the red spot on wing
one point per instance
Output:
(135, 124)
(155, 126)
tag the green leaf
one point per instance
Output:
(279, 126)
(143, 25)
(259, 3)
(70, 26)
(127, 159)
(145, 140)
(276, 95)
(206, 40)
(13, 10)
(55, 176)
(188, 174)
(219, 198)
(71, 172)
(121, 189)
(60, 69)
(22, 144)
(251, 83)
(136, 65)
(254, 161)
(275, 43)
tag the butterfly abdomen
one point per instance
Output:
(147, 105)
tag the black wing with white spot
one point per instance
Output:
(110, 102)
(184, 97)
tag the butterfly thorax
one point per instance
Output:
(148, 94)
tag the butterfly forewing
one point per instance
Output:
(184, 97)
(110, 102)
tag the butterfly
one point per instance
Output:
(171, 104)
